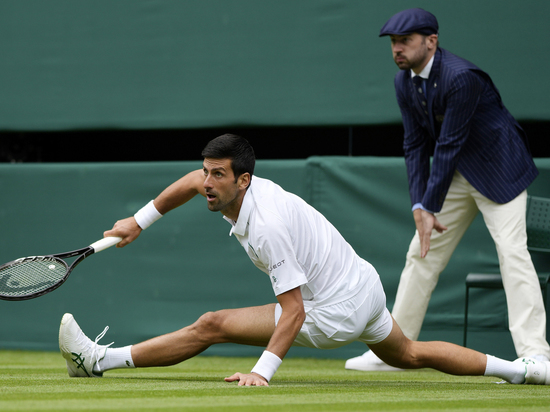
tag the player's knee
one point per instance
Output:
(407, 361)
(209, 324)
(405, 358)
(410, 361)
(411, 357)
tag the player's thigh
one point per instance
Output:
(252, 326)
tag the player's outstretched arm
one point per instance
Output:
(181, 191)
(172, 197)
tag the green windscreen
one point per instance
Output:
(142, 64)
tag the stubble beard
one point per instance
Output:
(416, 60)
(218, 205)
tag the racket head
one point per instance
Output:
(32, 276)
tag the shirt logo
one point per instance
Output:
(276, 265)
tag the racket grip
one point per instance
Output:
(105, 243)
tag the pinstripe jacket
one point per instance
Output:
(474, 133)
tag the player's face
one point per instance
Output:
(224, 193)
(412, 51)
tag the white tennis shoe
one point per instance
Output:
(81, 353)
(370, 362)
(536, 372)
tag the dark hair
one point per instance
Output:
(236, 148)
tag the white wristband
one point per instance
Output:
(267, 365)
(147, 215)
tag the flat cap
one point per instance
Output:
(410, 21)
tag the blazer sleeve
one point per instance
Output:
(461, 102)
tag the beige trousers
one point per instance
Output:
(506, 224)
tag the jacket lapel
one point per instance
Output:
(432, 88)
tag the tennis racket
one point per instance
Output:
(34, 276)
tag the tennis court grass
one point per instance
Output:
(37, 381)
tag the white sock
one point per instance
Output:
(509, 371)
(116, 358)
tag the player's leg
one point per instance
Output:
(387, 341)
(248, 326)
(86, 358)
(399, 351)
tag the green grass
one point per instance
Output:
(37, 381)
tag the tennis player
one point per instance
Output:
(327, 295)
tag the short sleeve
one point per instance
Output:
(275, 249)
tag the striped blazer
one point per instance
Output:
(473, 132)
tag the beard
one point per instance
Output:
(219, 203)
(417, 59)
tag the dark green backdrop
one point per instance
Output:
(78, 64)
(186, 264)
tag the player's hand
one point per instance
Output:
(249, 379)
(127, 229)
(425, 223)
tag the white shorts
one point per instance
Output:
(364, 318)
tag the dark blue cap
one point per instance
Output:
(411, 21)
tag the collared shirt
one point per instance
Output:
(425, 73)
(297, 246)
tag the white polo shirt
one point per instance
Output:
(297, 246)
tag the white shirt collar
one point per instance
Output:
(425, 73)
(239, 227)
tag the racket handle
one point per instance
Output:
(105, 243)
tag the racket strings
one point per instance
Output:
(31, 275)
